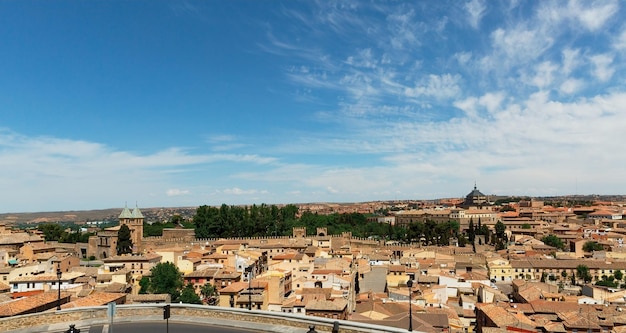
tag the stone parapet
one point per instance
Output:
(267, 321)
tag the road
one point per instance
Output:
(160, 327)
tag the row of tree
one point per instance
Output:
(58, 232)
(270, 220)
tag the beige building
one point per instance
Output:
(137, 265)
(500, 270)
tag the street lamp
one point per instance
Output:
(249, 271)
(410, 285)
(59, 286)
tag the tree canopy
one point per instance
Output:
(165, 278)
(432, 233)
(189, 296)
(51, 231)
(591, 246)
(57, 232)
(553, 241)
(582, 272)
(270, 220)
(124, 243)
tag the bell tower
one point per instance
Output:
(134, 221)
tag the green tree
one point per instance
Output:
(51, 231)
(189, 296)
(618, 275)
(553, 241)
(591, 246)
(582, 272)
(124, 243)
(471, 231)
(144, 284)
(526, 226)
(462, 240)
(166, 279)
(500, 236)
(208, 290)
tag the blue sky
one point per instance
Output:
(184, 103)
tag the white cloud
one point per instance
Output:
(438, 86)
(619, 42)
(571, 86)
(491, 101)
(595, 15)
(519, 44)
(238, 191)
(602, 66)
(174, 192)
(544, 74)
(468, 105)
(365, 59)
(592, 15)
(571, 60)
(402, 28)
(463, 57)
(475, 9)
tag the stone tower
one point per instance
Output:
(299, 232)
(134, 221)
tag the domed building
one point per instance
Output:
(475, 199)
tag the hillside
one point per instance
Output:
(151, 215)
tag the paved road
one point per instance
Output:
(160, 327)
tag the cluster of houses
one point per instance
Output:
(527, 287)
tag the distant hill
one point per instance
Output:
(111, 214)
(164, 214)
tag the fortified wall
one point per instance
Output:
(185, 238)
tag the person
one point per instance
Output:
(73, 329)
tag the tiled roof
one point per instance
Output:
(288, 256)
(566, 264)
(19, 237)
(136, 214)
(542, 306)
(126, 214)
(133, 258)
(27, 304)
(205, 273)
(234, 287)
(326, 305)
(327, 271)
(96, 299)
(48, 277)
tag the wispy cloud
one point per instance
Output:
(603, 69)
(174, 192)
(475, 10)
(389, 100)
(438, 86)
(238, 191)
